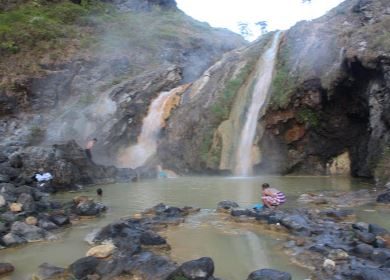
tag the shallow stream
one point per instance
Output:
(237, 249)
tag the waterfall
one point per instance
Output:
(146, 146)
(243, 157)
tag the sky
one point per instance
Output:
(279, 14)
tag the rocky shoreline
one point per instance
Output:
(27, 212)
(132, 248)
(326, 241)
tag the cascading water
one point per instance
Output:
(137, 155)
(243, 156)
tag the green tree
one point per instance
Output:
(244, 29)
(263, 26)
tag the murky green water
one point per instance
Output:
(236, 249)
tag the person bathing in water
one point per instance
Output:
(271, 197)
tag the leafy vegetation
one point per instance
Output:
(377, 35)
(282, 84)
(206, 145)
(29, 24)
(222, 107)
(308, 116)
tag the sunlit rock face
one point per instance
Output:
(203, 132)
(330, 94)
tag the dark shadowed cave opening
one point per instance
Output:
(344, 125)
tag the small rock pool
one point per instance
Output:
(237, 249)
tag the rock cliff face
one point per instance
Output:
(102, 90)
(331, 93)
(328, 110)
(329, 101)
(192, 141)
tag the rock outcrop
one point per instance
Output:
(123, 249)
(324, 242)
(103, 92)
(328, 110)
(199, 132)
(331, 82)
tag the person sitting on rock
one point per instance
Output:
(88, 148)
(272, 197)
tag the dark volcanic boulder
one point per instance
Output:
(269, 274)
(48, 271)
(380, 255)
(60, 219)
(377, 230)
(295, 222)
(46, 224)
(384, 197)
(11, 239)
(201, 269)
(150, 266)
(27, 232)
(365, 237)
(151, 238)
(89, 208)
(6, 268)
(68, 164)
(371, 274)
(28, 202)
(363, 250)
(227, 205)
(83, 267)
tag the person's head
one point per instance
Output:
(265, 186)
(94, 140)
(99, 192)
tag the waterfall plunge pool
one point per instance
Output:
(237, 249)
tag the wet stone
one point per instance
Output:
(147, 265)
(269, 274)
(6, 268)
(363, 250)
(60, 219)
(48, 271)
(384, 197)
(199, 269)
(11, 239)
(227, 205)
(83, 267)
(380, 255)
(377, 230)
(150, 238)
(365, 237)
